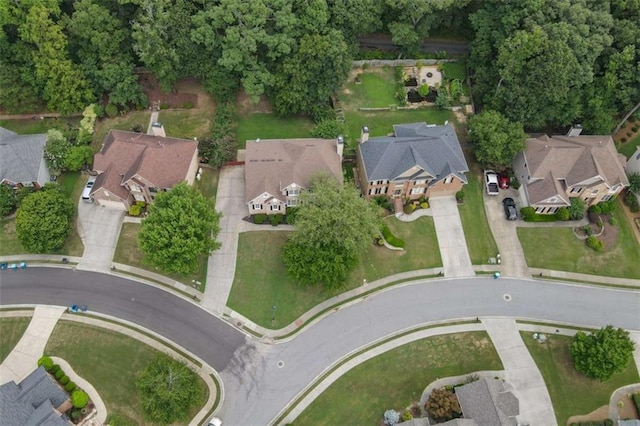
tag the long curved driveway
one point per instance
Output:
(256, 387)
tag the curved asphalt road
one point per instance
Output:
(256, 389)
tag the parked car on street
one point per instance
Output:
(491, 182)
(86, 192)
(510, 211)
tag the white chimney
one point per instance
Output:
(575, 130)
(157, 129)
(340, 145)
(364, 134)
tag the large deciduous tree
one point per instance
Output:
(167, 389)
(602, 354)
(333, 226)
(496, 139)
(43, 220)
(182, 225)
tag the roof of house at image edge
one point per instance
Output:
(572, 159)
(487, 402)
(32, 402)
(273, 164)
(435, 149)
(162, 161)
(20, 156)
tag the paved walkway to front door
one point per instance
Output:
(453, 246)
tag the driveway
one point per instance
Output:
(453, 246)
(99, 228)
(505, 234)
(222, 263)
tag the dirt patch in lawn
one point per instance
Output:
(594, 416)
(174, 99)
(246, 105)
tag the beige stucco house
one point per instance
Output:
(135, 167)
(277, 170)
(553, 169)
(417, 160)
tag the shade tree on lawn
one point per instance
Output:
(181, 226)
(333, 226)
(496, 140)
(603, 353)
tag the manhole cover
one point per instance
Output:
(280, 364)
(507, 297)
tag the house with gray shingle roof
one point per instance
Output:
(554, 169)
(277, 170)
(417, 160)
(22, 159)
(488, 403)
(34, 401)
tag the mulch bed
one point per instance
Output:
(172, 99)
(610, 234)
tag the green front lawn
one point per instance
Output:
(128, 252)
(269, 126)
(558, 249)
(110, 362)
(377, 90)
(121, 122)
(397, 378)
(11, 330)
(479, 238)
(261, 281)
(9, 243)
(571, 392)
(30, 126)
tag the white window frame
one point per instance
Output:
(274, 207)
(256, 206)
(417, 190)
(448, 179)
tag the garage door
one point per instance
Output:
(116, 205)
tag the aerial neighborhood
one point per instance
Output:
(331, 212)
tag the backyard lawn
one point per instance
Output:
(110, 362)
(261, 281)
(479, 238)
(121, 122)
(11, 330)
(193, 123)
(454, 71)
(30, 126)
(571, 392)
(377, 89)
(270, 126)
(558, 249)
(397, 378)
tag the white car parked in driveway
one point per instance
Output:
(491, 182)
(86, 192)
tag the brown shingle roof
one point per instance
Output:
(273, 164)
(162, 161)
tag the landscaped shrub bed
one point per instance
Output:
(79, 398)
(390, 238)
(606, 422)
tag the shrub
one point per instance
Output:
(409, 208)
(514, 183)
(416, 410)
(460, 196)
(45, 362)
(188, 105)
(623, 140)
(390, 238)
(634, 129)
(290, 217)
(259, 218)
(327, 129)
(562, 213)
(111, 110)
(320, 113)
(612, 221)
(59, 374)
(275, 219)
(636, 400)
(137, 128)
(595, 243)
(164, 106)
(383, 202)
(54, 369)
(64, 380)
(70, 387)
(528, 213)
(424, 205)
(79, 398)
(75, 414)
(631, 201)
(135, 210)
(406, 415)
(587, 230)
(443, 405)
(576, 209)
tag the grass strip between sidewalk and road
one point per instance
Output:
(395, 378)
(572, 393)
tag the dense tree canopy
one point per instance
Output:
(495, 139)
(333, 226)
(182, 225)
(43, 220)
(601, 354)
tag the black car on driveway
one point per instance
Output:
(510, 211)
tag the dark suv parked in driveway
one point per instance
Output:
(510, 211)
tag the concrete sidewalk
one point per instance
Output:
(24, 357)
(521, 373)
(453, 245)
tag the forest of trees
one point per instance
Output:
(543, 63)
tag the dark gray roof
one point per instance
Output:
(434, 149)
(21, 156)
(32, 401)
(487, 402)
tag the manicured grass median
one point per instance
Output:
(398, 377)
(261, 280)
(110, 362)
(269, 126)
(477, 233)
(558, 249)
(571, 392)
(11, 330)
